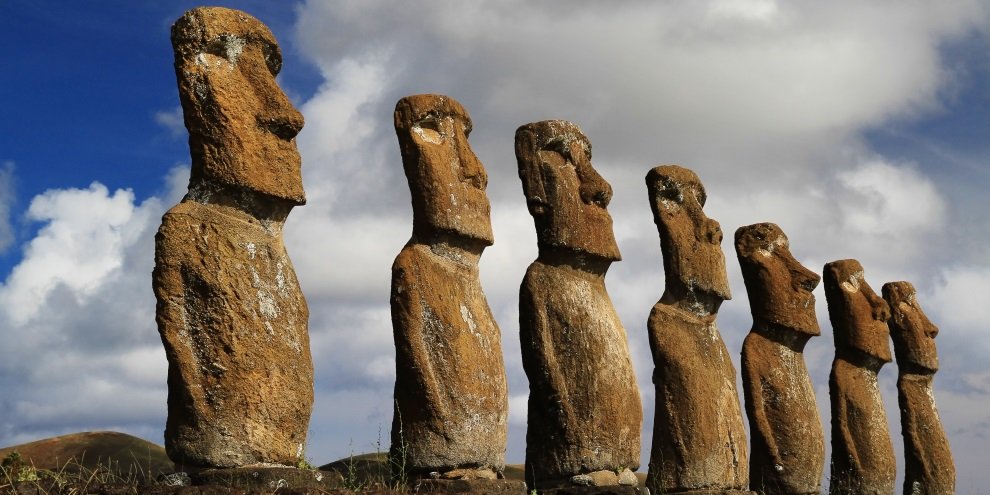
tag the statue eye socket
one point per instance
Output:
(702, 196)
(668, 191)
(430, 122)
(226, 46)
(429, 128)
(560, 147)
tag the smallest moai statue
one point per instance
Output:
(928, 469)
(862, 452)
(787, 453)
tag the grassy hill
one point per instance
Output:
(118, 452)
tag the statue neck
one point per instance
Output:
(688, 298)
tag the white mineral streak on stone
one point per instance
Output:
(280, 284)
(428, 135)
(230, 48)
(780, 241)
(469, 320)
(852, 285)
(266, 305)
(233, 47)
(251, 249)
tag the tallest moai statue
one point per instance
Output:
(230, 312)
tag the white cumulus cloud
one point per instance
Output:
(767, 101)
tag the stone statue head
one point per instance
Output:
(913, 334)
(693, 262)
(779, 288)
(242, 127)
(564, 193)
(858, 315)
(446, 179)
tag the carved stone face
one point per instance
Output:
(913, 334)
(690, 241)
(858, 315)
(446, 179)
(241, 125)
(779, 288)
(564, 193)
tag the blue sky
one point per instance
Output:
(859, 129)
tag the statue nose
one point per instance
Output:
(285, 126)
(713, 231)
(471, 168)
(807, 279)
(279, 116)
(879, 307)
(594, 188)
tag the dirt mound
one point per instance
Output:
(119, 452)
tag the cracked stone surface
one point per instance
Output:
(862, 452)
(699, 440)
(451, 398)
(230, 312)
(929, 468)
(584, 413)
(787, 440)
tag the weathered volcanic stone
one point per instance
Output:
(230, 312)
(787, 447)
(585, 412)
(451, 399)
(929, 469)
(699, 441)
(862, 453)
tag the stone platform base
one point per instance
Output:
(473, 487)
(268, 478)
(713, 492)
(594, 490)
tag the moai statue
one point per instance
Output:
(928, 469)
(862, 453)
(787, 448)
(230, 312)
(451, 401)
(699, 441)
(585, 412)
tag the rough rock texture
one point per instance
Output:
(595, 490)
(270, 478)
(929, 468)
(699, 441)
(230, 312)
(585, 412)
(470, 487)
(862, 453)
(787, 447)
(451, 399)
